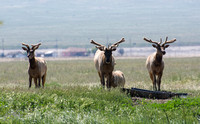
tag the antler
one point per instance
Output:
(170, 41)
(35, 44)
(117, 43)
(95, 43)
(150, 41)
(34, 47)
(26, 45)
(160, 41)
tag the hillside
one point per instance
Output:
(74, 23)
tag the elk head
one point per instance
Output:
(159, 46)
(107, 50)
(30, 51)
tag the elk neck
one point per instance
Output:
(32, 63)
(158, 58)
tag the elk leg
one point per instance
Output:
(99, 74)
(43, 80)
(159, 81)
(100, 77)
(102, 80)
(39, 80)
(154, 83)
(153, 79)
(109, 80)
(151, 76)
(30, 81)
(107, 83)
(35, 81)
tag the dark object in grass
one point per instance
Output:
(135, 92)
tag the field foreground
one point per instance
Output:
(72, 94)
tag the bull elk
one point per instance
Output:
(155, 63)
(104, 61)
(37, 66)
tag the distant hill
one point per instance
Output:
(76, 22)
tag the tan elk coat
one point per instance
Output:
(155, 63)
(105, 62)
(118, 79)
(38, 68)
(103, 69)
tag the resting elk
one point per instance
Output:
(37, 66)
(104, 61)
(155, 63)
(118, 79)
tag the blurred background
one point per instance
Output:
(65, 27)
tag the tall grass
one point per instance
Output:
(72, 94)
(75, 104)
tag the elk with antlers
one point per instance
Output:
(37, 66)
(155, 63)
(104, 61)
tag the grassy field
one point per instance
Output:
(72, 94)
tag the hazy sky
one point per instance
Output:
(75, 22)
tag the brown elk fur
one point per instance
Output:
(118, 79)
(155, 67)
(155, 63)
(104, 69)
(104, 62)
(37, 66)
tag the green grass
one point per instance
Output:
(72, 94)
(90, 105)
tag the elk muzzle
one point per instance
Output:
(108, 54)
(108, 60)
(30, 55)
(163, 50)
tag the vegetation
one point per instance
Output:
(72, 94)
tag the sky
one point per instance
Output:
(76, 22)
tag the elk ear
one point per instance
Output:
(154, 45)
(24, 48)
(102, 48)
(166, 46)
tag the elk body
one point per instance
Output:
(105, 62)
(118, 79)
(155, 63)
(37, 66)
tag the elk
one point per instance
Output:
(118, 79)
(104, 61)
(155, 63)
(37, 66)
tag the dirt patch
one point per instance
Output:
(139, 100)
